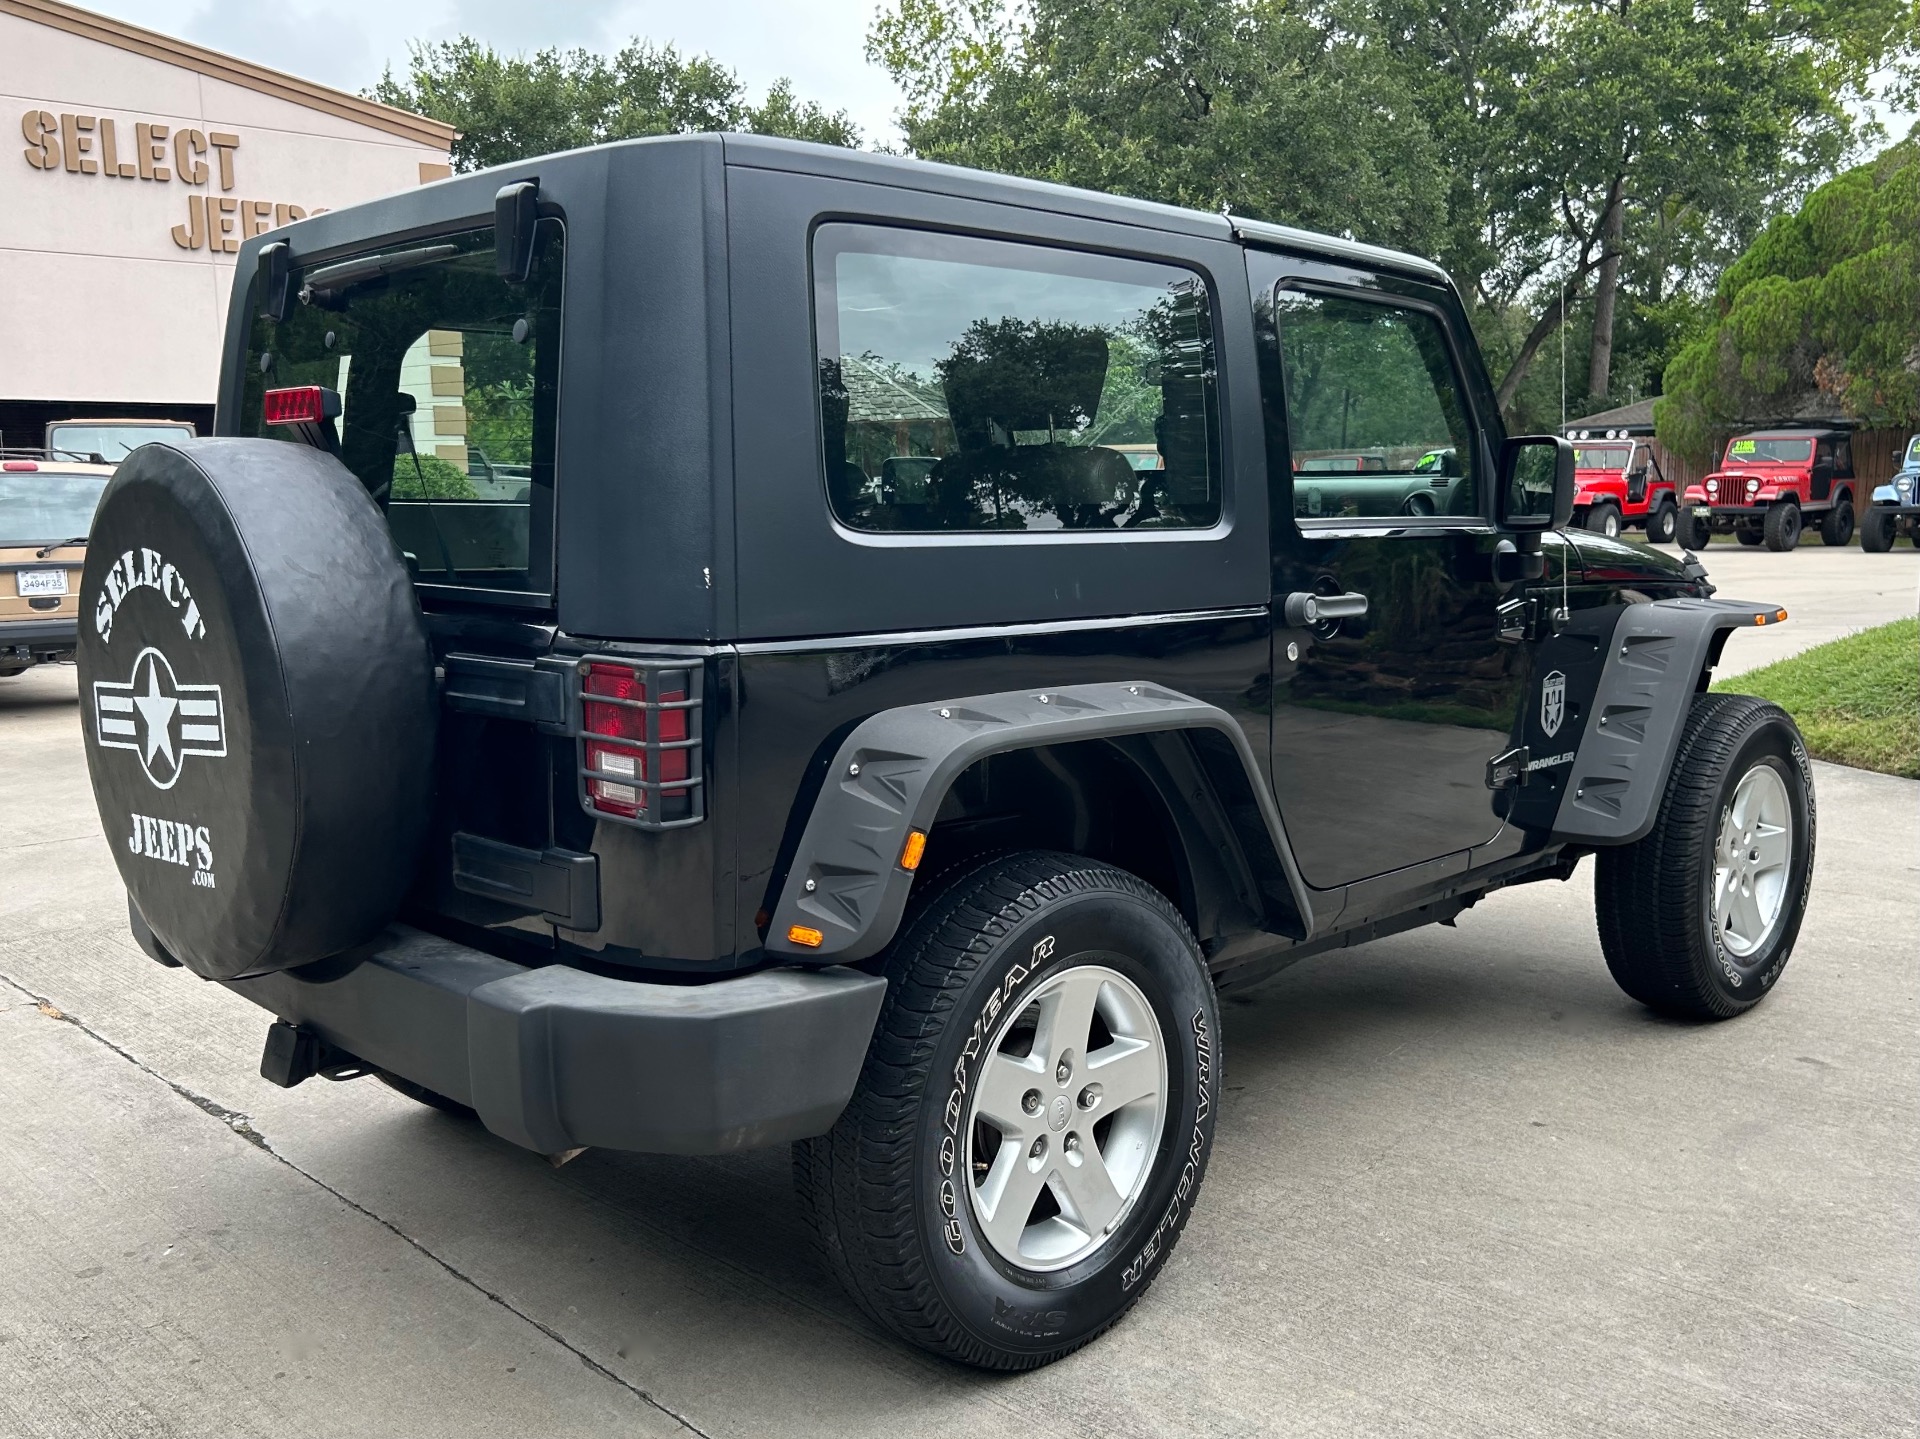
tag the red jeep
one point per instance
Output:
(1618, 484)
(1768, 480)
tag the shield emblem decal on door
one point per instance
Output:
(1553, 702)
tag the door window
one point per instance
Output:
(1375, 420)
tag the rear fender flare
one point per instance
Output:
(892, 771)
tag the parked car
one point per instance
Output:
(1377, 483)
(1618, 484)
(46, 505)
(699, 801)
(1768, 482)
(1895, 509)
(111, 441)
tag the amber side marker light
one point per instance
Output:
(915, 847)
(800, 934)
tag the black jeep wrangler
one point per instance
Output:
(713, 642)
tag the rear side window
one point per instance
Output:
(983, 385)
(448, 384)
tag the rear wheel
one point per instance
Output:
(1034, 1118)
(1782, 527)
(1836, 526)
(1877, 531)
(1748, 535)
(1698, 919)
(1604, 520)
(1662, 524)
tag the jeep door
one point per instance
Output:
(1383, 721)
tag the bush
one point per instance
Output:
(435, 479)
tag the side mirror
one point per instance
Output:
(516, 209)
(1536, 484)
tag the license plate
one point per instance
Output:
(40, 582)
(1704, 511)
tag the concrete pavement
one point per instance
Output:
(1828, 593)
(1462, 1186)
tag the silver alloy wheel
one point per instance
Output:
(1752, 861)
(1061, 1135)
(1610, 527)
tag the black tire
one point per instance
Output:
(1695, 533)
(1877, 531)
(1747, 535)
(1654, 899)
(420, 1094)
(1604, 520)
(1782, 527)
(1662, 524)
(1836, 525)
(890, 1188)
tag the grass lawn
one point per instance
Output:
(1857, 700)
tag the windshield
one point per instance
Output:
(113, 443)
(1769, 452)
(45, 506)
(1601, 457)
(1913, 454)
(448, 381)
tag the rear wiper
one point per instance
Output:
(44, 551)
(332, 279)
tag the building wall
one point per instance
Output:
(114, 286)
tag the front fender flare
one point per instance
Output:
(1660, 656)
(891, 773)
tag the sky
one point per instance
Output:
(818, 44)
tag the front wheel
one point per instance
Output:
(1836, 526)
(1662, 525)
(1035, 1115)
(1604, 520)
(1877, 531)
(1782, 527)
(1699, 918)
(1695, 532)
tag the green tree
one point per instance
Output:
(1597, 160)
(507, 107)
(1826, 301)
(1258, 106)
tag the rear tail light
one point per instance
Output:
(300, 405)
(640, 743)
(18, 466)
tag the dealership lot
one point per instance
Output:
(1462, 1186)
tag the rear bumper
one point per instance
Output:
(557, 1058)
(40, 636)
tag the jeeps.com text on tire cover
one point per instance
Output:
(712, 642)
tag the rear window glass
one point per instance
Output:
(981, 385)
(448, 381)
(41, 507)
(112, 443)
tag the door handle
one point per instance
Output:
(1304, 608)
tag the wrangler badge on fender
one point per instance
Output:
(1553, 702)
(158, 718)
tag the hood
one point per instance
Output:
(1616, 562)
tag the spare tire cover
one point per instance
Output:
(258, 700)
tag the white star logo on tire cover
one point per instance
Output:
(158, 718)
